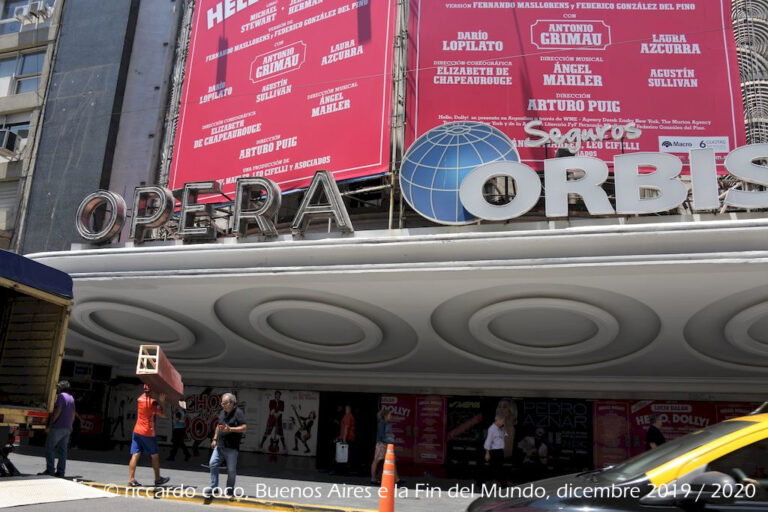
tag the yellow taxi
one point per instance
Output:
(721, 468)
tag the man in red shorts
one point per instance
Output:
(144, 440)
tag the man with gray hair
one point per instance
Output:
(494, 449)
(226, 443)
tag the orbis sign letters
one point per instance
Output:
(444, 171)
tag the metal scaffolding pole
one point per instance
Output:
(400, 64)
(750, 27)
(174, 103)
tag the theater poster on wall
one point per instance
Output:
(620, 426)
(679, 417)
(602, 78)
(429, 430)
(611, 432)
(464, 437)
(403, 409)
(282, 88)
(556, 433)
(729, 410)
(287, 422)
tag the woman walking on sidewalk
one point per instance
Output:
(384, 436)
(178, 431)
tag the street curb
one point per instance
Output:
(165, 493)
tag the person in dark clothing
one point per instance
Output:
(226, 442)
(654, 437)
(535, 454)
(178, 432)
(119, 420)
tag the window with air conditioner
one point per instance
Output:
(17, 124)
(16, 14)
(20, 73)
(9, 24)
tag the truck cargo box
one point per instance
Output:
(35, 302)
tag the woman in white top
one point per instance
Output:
(494, 449)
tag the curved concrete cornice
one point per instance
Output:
(650, 309)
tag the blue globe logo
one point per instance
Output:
(437, 162)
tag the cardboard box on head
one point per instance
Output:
(156, 371)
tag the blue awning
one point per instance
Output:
(35, 275)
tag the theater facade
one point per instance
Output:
(506, 223)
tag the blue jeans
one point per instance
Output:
(230, 455)
(56, 446)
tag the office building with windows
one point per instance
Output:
(27, 41)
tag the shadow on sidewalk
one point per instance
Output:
(262, 465)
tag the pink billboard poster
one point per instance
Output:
(91, 424)
(678, 419)
(729, 410)
(403, 409)
(281, 88)
(430, 430)
(603, 78)
(611, 432)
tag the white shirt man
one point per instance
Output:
(494, 449)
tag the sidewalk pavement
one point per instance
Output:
(290, 486)
(119, 505)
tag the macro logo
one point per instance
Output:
(438, 161)
(718, 143)
(677, 144)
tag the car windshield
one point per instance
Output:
(636, 467)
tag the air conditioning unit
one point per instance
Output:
(21, 13)
(39, 10)
(35, 12)
(8, 143)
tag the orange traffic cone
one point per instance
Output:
(387, 491)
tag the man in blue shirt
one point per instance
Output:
(59, 429)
